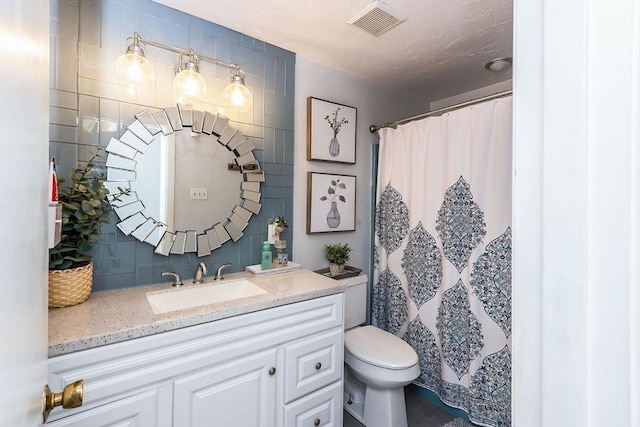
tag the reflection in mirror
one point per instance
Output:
(193, 180)
(205, 188)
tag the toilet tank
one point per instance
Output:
(355, 305)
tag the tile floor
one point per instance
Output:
(420, 412)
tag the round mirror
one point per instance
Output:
(183, 180)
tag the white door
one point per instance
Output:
(24, 135)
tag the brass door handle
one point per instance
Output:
(70, 397)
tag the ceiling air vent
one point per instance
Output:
(377, 18)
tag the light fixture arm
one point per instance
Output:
(186, 52)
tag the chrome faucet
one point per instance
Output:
(201, 271)
(177, 281)
(219, 273)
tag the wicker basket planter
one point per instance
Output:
(71, 286)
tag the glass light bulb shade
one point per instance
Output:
(237, 97)
(132, 68)
(188, 84)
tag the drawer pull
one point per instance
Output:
(318, 366)
(272, 371)
(316, 422)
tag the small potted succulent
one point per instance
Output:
(337, 254)
(280, 224)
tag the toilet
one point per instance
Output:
(377, 365)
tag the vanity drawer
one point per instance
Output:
(323, 408)
(312, 363)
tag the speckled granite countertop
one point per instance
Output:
(112, 316)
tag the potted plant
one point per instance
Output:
(337, 254)
(280, 224)
(84, 210)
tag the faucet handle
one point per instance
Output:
(219, 272)
(203, 267)
(177, 281)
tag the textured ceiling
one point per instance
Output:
(439, 51)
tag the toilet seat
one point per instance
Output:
(379, 348)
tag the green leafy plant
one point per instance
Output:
(280, 222)
(84, 210)
(332, 191)
(337, 253)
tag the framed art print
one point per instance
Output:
(331, 202)
(331, 131)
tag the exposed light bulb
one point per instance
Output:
(236, 96)
(189, 84)
(133, 68)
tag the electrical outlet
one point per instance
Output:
(198, 194)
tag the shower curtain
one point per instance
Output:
(442, 259)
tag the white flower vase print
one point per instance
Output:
(333, 217)
(335, 124)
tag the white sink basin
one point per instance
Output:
(195, 296)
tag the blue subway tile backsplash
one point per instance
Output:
(89, 107)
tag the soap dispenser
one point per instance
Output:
(266, 256)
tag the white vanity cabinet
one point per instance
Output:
(276, 367)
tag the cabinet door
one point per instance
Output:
(140, 410)
(239, 392)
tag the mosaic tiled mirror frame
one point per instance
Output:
(122, 157)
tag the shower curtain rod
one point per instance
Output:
(374, 128)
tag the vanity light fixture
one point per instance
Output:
(134, 69)
(188, 83)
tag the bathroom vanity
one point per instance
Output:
(274, 359)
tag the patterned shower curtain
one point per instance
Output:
(442, 273)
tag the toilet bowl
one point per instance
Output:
(377, 366)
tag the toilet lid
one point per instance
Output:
(380, 348)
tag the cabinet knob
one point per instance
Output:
(318, 365)
(272, 371)
(70, 397)
(316, 422)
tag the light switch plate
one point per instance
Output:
(198, 194)
(271, 232)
